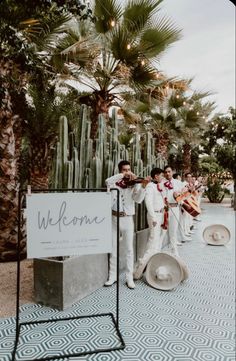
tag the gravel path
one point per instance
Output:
(8, 272)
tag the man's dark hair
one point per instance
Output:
(123, 162)
(155, 171)
(167, 166)
(175, 175)
(186, 174)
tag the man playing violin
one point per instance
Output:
(154, 201)
(130, 192)
(172, 187)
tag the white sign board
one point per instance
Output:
(67, 224)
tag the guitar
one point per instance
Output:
(190, 203)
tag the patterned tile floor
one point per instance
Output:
(193, 322)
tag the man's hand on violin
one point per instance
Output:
(146, 181)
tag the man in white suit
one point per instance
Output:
(172, 187)
(128, 197)
(154, 200)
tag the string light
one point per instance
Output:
(128, 46)
(184, 103)
(142, 62)
(177, 96)
(197, 113)
(157, 75)
(113, 23)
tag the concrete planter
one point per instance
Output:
(59, 284)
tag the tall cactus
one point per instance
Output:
(81, 162)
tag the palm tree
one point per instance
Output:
(192, 123)
(19, 63)
(123, 46)
(155, 110)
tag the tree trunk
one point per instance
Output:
(9, 180)
(40, 162)
(162, 143)
(100, 103)
(187, 158)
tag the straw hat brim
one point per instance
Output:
(172, 266)
(208, 235)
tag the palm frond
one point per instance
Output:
(107, 13)
(123, 47)
(199, 95)
(138, 13)
(142, 76)
(46, 33)
(157, 39)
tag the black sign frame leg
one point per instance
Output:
(115, 320)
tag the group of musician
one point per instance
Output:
(166, 217)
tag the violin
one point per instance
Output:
(131, 182)
(126, 182)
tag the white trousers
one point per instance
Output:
(127, 235)
(172, 229)
(155, 239)
(185, 221)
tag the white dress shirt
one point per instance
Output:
(128, 196)
(154, 199)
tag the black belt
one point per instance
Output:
(121, 214)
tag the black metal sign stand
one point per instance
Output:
(115, 320)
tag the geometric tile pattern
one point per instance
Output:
(194, 322)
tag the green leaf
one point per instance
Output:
(138, 13)
(106, 11)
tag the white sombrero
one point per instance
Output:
(216, 234)
(163, 272)
(184, 267)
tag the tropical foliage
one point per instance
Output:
(57, 55)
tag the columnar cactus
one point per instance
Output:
(81, 162)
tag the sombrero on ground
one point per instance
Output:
(164, 272)
(216, 234)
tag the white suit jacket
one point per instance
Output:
(127, 195)
(154, 199)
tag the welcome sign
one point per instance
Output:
(67, 224)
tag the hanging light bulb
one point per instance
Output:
(197, 113)
(128, 46)
(113, 23)
(142, 62)
(177, 96)
(184, 103)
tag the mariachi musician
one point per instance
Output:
(130, 192)
(154, 201)
(172, 187)
(186, 217)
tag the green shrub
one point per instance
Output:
(215, 192)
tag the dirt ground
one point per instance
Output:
(8, 276)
